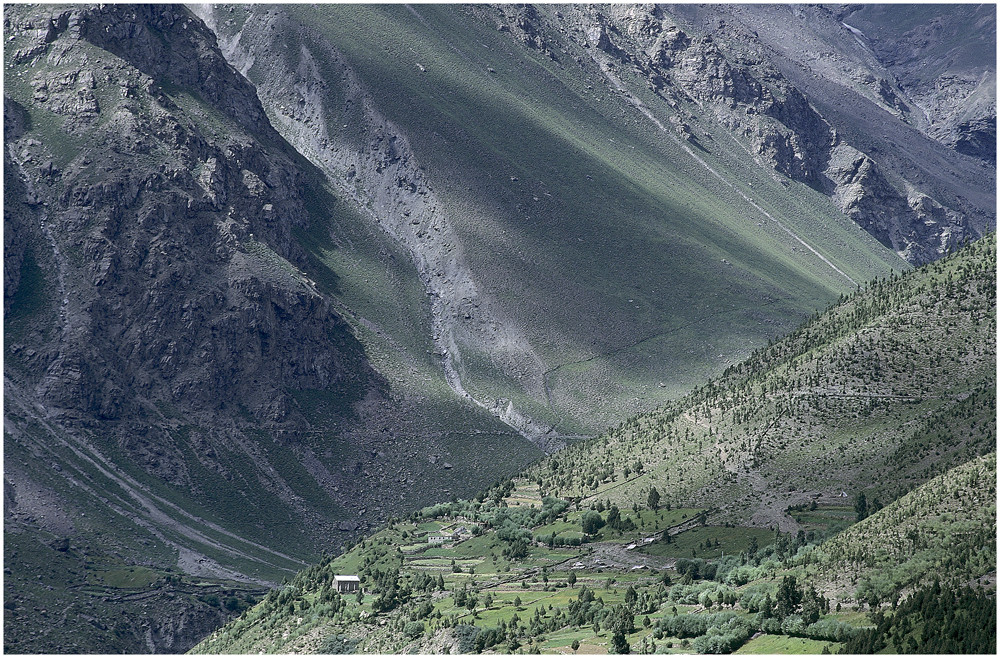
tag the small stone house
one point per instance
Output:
(440, 539)
(347, 584)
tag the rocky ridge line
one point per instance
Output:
(731, 79)
(369, 160)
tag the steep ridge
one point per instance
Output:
(936, 532)
(884, 167)
(899, 378)
(381, 174)
(185, 402)
(515, 179)
(643, 538)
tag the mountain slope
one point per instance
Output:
(579, 553)
(936, 532)
(887, 93)
(181, 397)
(574, 244)
(899, 378)
(928, 52)
(250, 317)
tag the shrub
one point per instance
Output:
(466, 635)
(337, 643)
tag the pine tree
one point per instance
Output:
(653, 500)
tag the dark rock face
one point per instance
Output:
(164, 43)
(185, 287)
(977, 137)
(17, 213)
(522, 23)
(157, 306)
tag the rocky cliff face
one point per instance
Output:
(151, 273)
(742, 90)
(162, 328)
(18, 214)
(910, 222)
(879, 88)
(943, 63)
(730, 64)
(177, 272)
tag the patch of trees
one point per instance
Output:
(616, 522)
(554, 540)
(793, 609)
(934, 620)
(391, 592)
(591, 522)
(863, 508)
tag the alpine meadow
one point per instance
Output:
(576, 329)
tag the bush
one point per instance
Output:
(413, 629)
(830, 629)
(337, 643)
(793, 625)
(591, 522)
(466, 635)
(488, 638)
(210, 599)
(692, 625)
(726, 637)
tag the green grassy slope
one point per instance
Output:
(494, 590)
(706, 577)
(631, 269)
(898, 378)
(943, 530)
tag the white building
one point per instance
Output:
(346, 584)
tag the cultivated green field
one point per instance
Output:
(782, 644)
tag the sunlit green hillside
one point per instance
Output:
(654, 538)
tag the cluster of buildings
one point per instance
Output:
(348, 584)
(449, 537)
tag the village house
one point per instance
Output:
(441, 538)
(347, 584)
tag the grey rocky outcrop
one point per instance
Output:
(886, 91)
(911, 223)
(714, 58)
